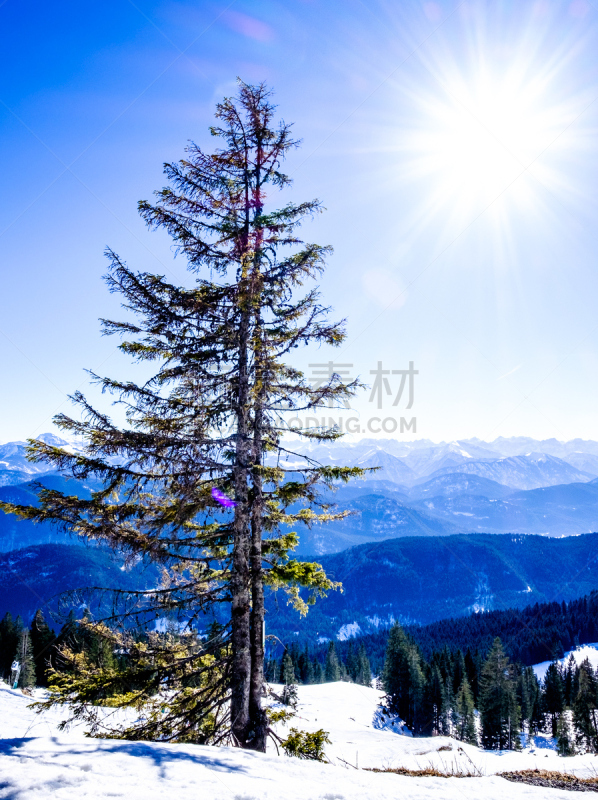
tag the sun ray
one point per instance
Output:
(499, 133)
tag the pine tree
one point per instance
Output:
(287, 671)
(585, 708)
(557, 650)
(67, 638)
(271, 670)
(404, 679)
(465, 716)
(448, 715)
(310, 673)
(319, 673)
(532, 701)
(208, 423)
(537, 719)
(42, 639)
(24, 655)
(364, 672)
(9, 639)
(303, 664)
(473, 668)
(568, 680)
(432, 701)
(295, 656)
(499, 712)
(445, 663)
(528, 690)
(333, 670)
(352, 663)
(396, 672)
(416, 691)
(554, 696)
(98, 650)
(564, 737)
(458, 672)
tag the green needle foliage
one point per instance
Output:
(404, 679)
(585, 710)
(333, 670)
(287, 671)
(305, 745)
(24, 656)
(42, 639)
(499, 712)
(554, 694)
(465, 716)
(211, 416)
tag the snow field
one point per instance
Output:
(589, 651)
(36, 762)
(347, 711)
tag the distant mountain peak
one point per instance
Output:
(52, 440)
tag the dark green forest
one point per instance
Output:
(436, 677)
(529, 635)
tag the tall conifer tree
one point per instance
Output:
(585, 708)
(287, 671)
(499, 711)
(24, 656)
(204, 425)
(333, 669)
(404, 679)
(464, 713)
(42, 639)
(9, 637)
(554, 694)
(364, 672)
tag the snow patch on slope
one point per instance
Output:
(348, 631)
(589, 651)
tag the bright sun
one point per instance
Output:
(487, 138)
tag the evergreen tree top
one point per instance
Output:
(212, 415)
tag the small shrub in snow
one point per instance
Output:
(309, 746)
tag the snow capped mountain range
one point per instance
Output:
(16, 468)
(414, 489)
(529, 471)
(518, 463)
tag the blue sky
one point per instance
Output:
(454, 147)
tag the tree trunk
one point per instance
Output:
(257, 715)
(240, 579)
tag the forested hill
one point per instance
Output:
(529, 635)
(33, 578)
(426, 579)
(413, 580)
(423, 579)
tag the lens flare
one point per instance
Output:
(221, 498)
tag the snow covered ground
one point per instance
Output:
(37, 763)
(589, 651)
